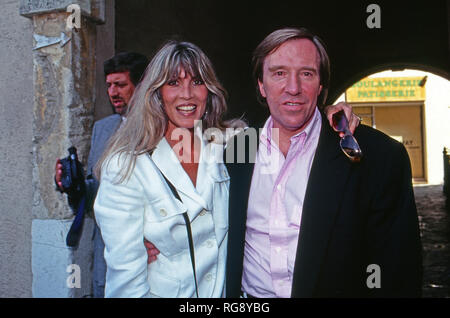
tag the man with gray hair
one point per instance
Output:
(324, 222)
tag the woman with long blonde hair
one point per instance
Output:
(160, 180)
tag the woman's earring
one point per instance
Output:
(204, 115)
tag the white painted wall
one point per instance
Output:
(16, 103)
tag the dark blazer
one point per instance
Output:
(354, 215)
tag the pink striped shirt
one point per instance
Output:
(275, 208)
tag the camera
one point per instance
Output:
(72, 177)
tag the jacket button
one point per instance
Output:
(163, 212)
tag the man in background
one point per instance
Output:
(122, 72)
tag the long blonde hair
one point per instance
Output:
(146, 121)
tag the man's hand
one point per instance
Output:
(58, 174)
(152, 251)
(353, 120)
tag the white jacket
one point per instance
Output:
(144, 206)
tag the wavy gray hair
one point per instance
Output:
(274, 40)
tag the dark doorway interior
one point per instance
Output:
(411, 34)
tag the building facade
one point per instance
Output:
(413, 107)
(52, 88)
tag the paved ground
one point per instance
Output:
(434, 222)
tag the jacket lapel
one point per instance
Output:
(166, 160)
(240, 182)
(329, 174)
(210, 171)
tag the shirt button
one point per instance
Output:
(279, 187)
(163, 212)
(278, 249)
(209, 244)
(224, 172)
(209, 277)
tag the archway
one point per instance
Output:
(410, 105)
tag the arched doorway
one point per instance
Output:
(412, 106)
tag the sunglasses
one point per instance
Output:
(348, 143)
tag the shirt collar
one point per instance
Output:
(266, 133)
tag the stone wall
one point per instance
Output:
(49, 96)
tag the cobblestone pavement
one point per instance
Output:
(434, 221)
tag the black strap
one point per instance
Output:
(73, 237)
(188, 228)
(191, 248)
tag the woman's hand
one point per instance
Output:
(152, 251)
(353, 120)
